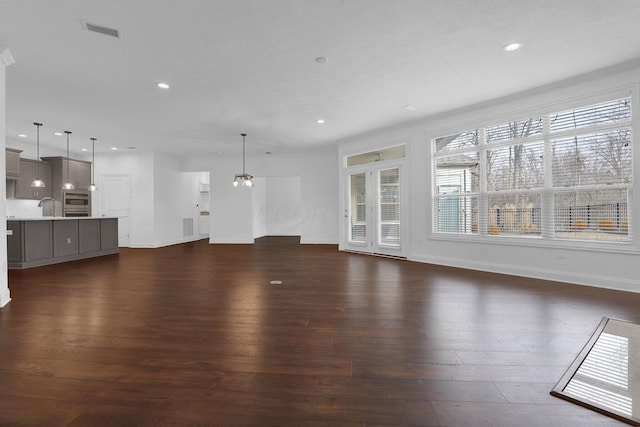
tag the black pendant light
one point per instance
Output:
(93, 187)
(37, 182)
(68, 185)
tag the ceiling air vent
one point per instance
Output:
(102, 30)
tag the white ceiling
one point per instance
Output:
(249, 65)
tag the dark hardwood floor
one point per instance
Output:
(196, 335)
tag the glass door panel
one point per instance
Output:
(358, 208)
(389, 207)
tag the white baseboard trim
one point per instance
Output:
(144, 245)
(318, 242)
(218, 241)
(535, 273)
(5, 297)
(140, 245)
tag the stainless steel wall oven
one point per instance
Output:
(76, 203)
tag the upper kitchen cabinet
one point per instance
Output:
(24, 190)
(13, 163)
(79, 173)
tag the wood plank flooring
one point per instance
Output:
(195, 335)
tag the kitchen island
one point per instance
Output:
(33, 242)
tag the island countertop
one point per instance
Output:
(37, 241)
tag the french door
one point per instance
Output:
(373, 210)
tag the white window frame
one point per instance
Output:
(546, 238)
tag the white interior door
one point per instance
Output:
(373, 214)
(115, 201)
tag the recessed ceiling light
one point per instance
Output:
(512, 46)
(409, 107)
(22, 135)
(163, 85)
(84, 149)
(320, 121)
(114, 148)
(322, 60)
(57, 133)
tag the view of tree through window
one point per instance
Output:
(564, 175)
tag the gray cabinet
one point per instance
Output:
(24, 190)
(33, 243)
(37, 241)
(89, 235)
(14, 242)
(65, 238)
(109, 234)
(29, 242)
(79, 172)
(12, 163)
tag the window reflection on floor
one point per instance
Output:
(609, 377)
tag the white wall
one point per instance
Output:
(23, 208)
(577, 263)
(318, 172)
(276, 207)
(139, 166)
(167, 210)
(161, 196)
(189, 201)
(5, 60)
(231, 218)
(165, 190)
(232, 207)
(259, 198)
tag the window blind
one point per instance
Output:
(518, 129)
(358, 208)
(615, 111)
(389, 205)
(458, 141)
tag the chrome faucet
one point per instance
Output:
(48, 206)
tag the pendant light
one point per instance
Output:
(68, 185)
(37, 182)
(244, 178)
(93, 187)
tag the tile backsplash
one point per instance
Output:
(23, 208)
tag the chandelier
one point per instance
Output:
(243, 179)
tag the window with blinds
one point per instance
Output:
(358, 208)
(562, 175)
(389, 206)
